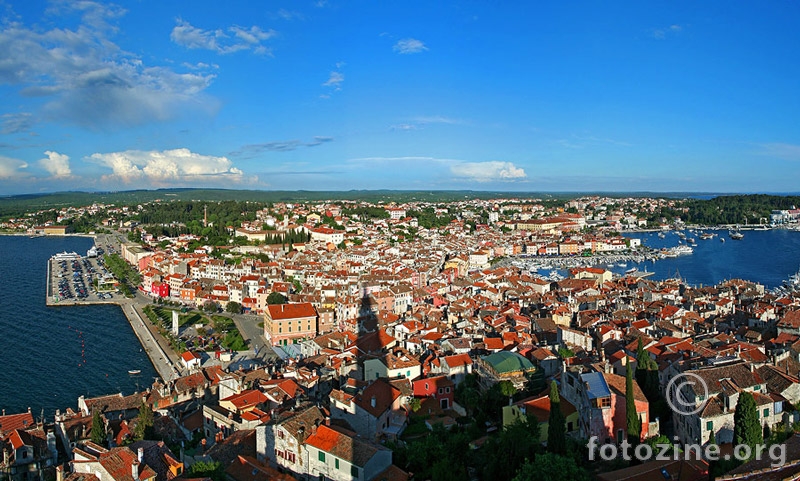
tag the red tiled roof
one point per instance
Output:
(11, 422)
(291, 311)
(246, 399)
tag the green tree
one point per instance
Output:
(202, 469)
(551, 467)
(746, 426)
(556, 427)
(415, 404)
(276, 298)
(505, 453)
(98, 429)
(507, 389)
(233, 307)
(144, 423)
(633, 422)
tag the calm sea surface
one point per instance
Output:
(768, 257)
(42, 348)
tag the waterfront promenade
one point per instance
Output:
(166, 362)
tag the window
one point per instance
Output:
(766, 413)
(322, 456)
(447, 389)
(354, 471)
(441, 390)
(408, 373)
(336, 462)
(605, 402)
(710, 425)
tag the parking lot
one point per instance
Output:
(76, 278)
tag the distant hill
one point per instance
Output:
(17, 204)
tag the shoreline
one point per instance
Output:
(157, 355)
(166, 367)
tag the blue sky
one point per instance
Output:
(339, 95)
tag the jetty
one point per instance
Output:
(164, 360)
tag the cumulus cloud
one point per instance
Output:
(409, 45)
(12, 168)
(56, 164)
(85, 78)
(233, 39)
(491, 171)
(166, 167)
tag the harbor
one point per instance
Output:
(83, 270)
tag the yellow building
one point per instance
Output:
(539, 407)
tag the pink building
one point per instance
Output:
(439, 388)
(600, 399)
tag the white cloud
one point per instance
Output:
(238, 38)
(334, 80)
(85, 78)
(167, 167)
(782, 151)
(289, 14)
(488, 171)
(56, 164)
(662, 33)
(409, 45)
(15, 123)
(11, 168)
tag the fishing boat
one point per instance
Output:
(736, 235)
(134, 371)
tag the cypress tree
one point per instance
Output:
(556, 427)
(98, 429)
(746, 426)
(633, 422)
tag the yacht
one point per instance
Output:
(736, 235)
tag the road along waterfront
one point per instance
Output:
(168, 367)
(53, 355)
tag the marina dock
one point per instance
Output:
(166, 362)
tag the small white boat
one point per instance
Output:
(134, 371)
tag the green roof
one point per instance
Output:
(504, 361)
